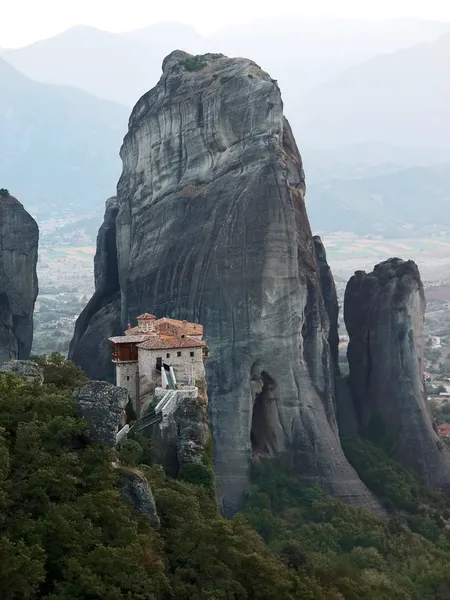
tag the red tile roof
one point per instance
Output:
(189, 328)
(169, 341)
(444, 429)
(146, 316)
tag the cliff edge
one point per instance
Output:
(19, 237)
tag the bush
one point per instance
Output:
(4, 192)
(130, 453)
(194, 63)
(197, 473)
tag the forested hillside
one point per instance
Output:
(65, 533)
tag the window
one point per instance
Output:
(159, 363)
(128, 378)
(192, 354)
(178, 353)
(167, 355)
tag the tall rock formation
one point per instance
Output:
(212, 227)
(19, 237)
(100, 319)
(384, 314)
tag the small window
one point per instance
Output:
(128, 378)
(192, 353)
(159, 363)
(178, 353)
(167, 355)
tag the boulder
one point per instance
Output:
(27, 369)
(134, 488)
(102, 405)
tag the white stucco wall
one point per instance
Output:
(127, 377)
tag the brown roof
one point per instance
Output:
(444, 429)
(190, 328)
(146, 316)
(127, 339)
(169, 341)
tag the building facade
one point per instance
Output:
(163, 353)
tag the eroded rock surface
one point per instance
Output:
(19, 237)
(27, 369)
(212, 227)
(134, 488)
(100, 319)
(384, 314)
(102, 405)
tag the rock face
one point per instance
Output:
(212, 227)
(19, 236)
(384, 314)
(134, 488)
(102, 405)
(183, 434)
(100, 319)
(27, 369)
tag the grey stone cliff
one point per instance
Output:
(384, 314)
(102, 405)
(19, 237)
(100, 319)
(212, 227)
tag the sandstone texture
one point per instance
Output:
(384, 314)
(102, 405)
(100, 318)
(211, 227)
(27, 369)
(19, 237)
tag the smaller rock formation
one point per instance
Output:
(100, 319)
(102, 405)
(135, 489)
(27, 369)
(384, 314)
(19, 237)
(182, 435)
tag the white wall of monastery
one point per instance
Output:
(127, 377)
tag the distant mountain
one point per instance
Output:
(104, 64)
(300, 53)
(59, 145)
(401, 99)
(406, 202)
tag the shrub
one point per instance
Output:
(130, 453)
(194, 63)
(4, 192)
(197, 473)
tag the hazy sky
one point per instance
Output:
(24, 21)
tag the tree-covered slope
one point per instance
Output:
(66, 534)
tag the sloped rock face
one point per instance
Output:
(212, 227)
(100, 319)
(384, 314)
(134, 488)
(19, 237)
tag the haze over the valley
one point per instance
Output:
(366, 93)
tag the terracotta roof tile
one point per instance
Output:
(168, 341)
(145, 316)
